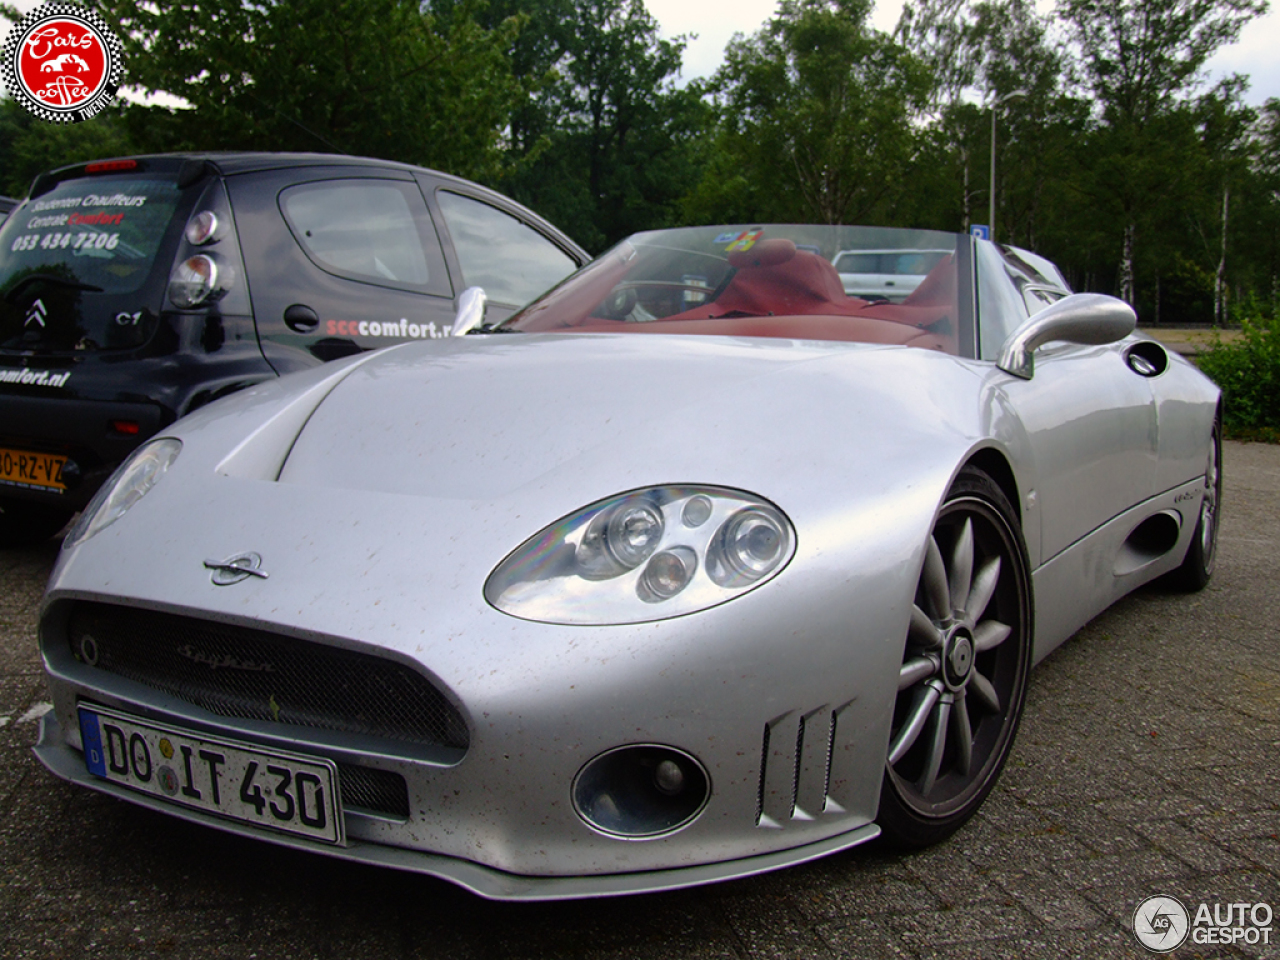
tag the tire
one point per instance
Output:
(24, 524)
(963, 680)
(1202, 554)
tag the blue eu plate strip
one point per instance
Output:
(91, 735)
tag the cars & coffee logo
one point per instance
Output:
(62, 63)
(1161, 923)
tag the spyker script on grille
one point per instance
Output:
(223, 661)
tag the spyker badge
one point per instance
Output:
(234, 569)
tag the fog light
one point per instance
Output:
(669, 778)
(640, 792)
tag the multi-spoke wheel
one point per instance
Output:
(964, 673)
(1197, 566)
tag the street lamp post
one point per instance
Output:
(995, 108)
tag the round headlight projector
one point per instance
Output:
(642, 791)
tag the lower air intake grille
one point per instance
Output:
(379, 791)
(257, 675)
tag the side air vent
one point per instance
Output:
(1149, 541)
(795, 767)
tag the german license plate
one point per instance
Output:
(26, 469)
(268, 788)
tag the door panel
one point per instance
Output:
(1093, 431)
(339, 261)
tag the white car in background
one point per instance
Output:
(885, 274)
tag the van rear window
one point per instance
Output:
(102, 233)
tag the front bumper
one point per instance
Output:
(68, 764)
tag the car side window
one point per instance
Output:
(362, 229)
(509, 259)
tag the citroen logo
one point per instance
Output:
(234, 569)
(36, 313)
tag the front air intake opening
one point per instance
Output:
(254, 674)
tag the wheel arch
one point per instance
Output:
(994, 464)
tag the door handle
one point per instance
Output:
(301, 318)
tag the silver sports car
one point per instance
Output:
(694, 568)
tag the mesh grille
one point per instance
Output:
(256, 675)
(380, 791)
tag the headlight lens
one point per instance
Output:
(129, 484)
(645, 555)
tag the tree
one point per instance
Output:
(376, 77)
(606, 144)
(1140, 58)
(815, 118)
(31, 145)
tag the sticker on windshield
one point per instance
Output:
(745, 240)
(62, 63)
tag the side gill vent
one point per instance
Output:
(795, 767)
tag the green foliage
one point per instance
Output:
(1248, 371)
(31, 146)
(815, 116)
(1112, 159)
(608, 144)
(373, 77)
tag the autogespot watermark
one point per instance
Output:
(1163, 924)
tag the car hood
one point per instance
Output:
(484, 417)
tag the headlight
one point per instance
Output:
(646, 555)
(129, 484)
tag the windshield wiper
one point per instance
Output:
(12, 295)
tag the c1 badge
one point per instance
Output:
(62, 63)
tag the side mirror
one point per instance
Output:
(1087, 318)
(471, 307)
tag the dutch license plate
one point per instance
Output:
(267, 788)
(28, 469)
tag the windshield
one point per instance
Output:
(764, 281)
(87, 241)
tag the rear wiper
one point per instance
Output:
(12, 295)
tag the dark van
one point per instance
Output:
(135, 290)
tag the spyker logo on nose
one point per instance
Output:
(234, 569)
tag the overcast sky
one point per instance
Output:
(715, 21)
